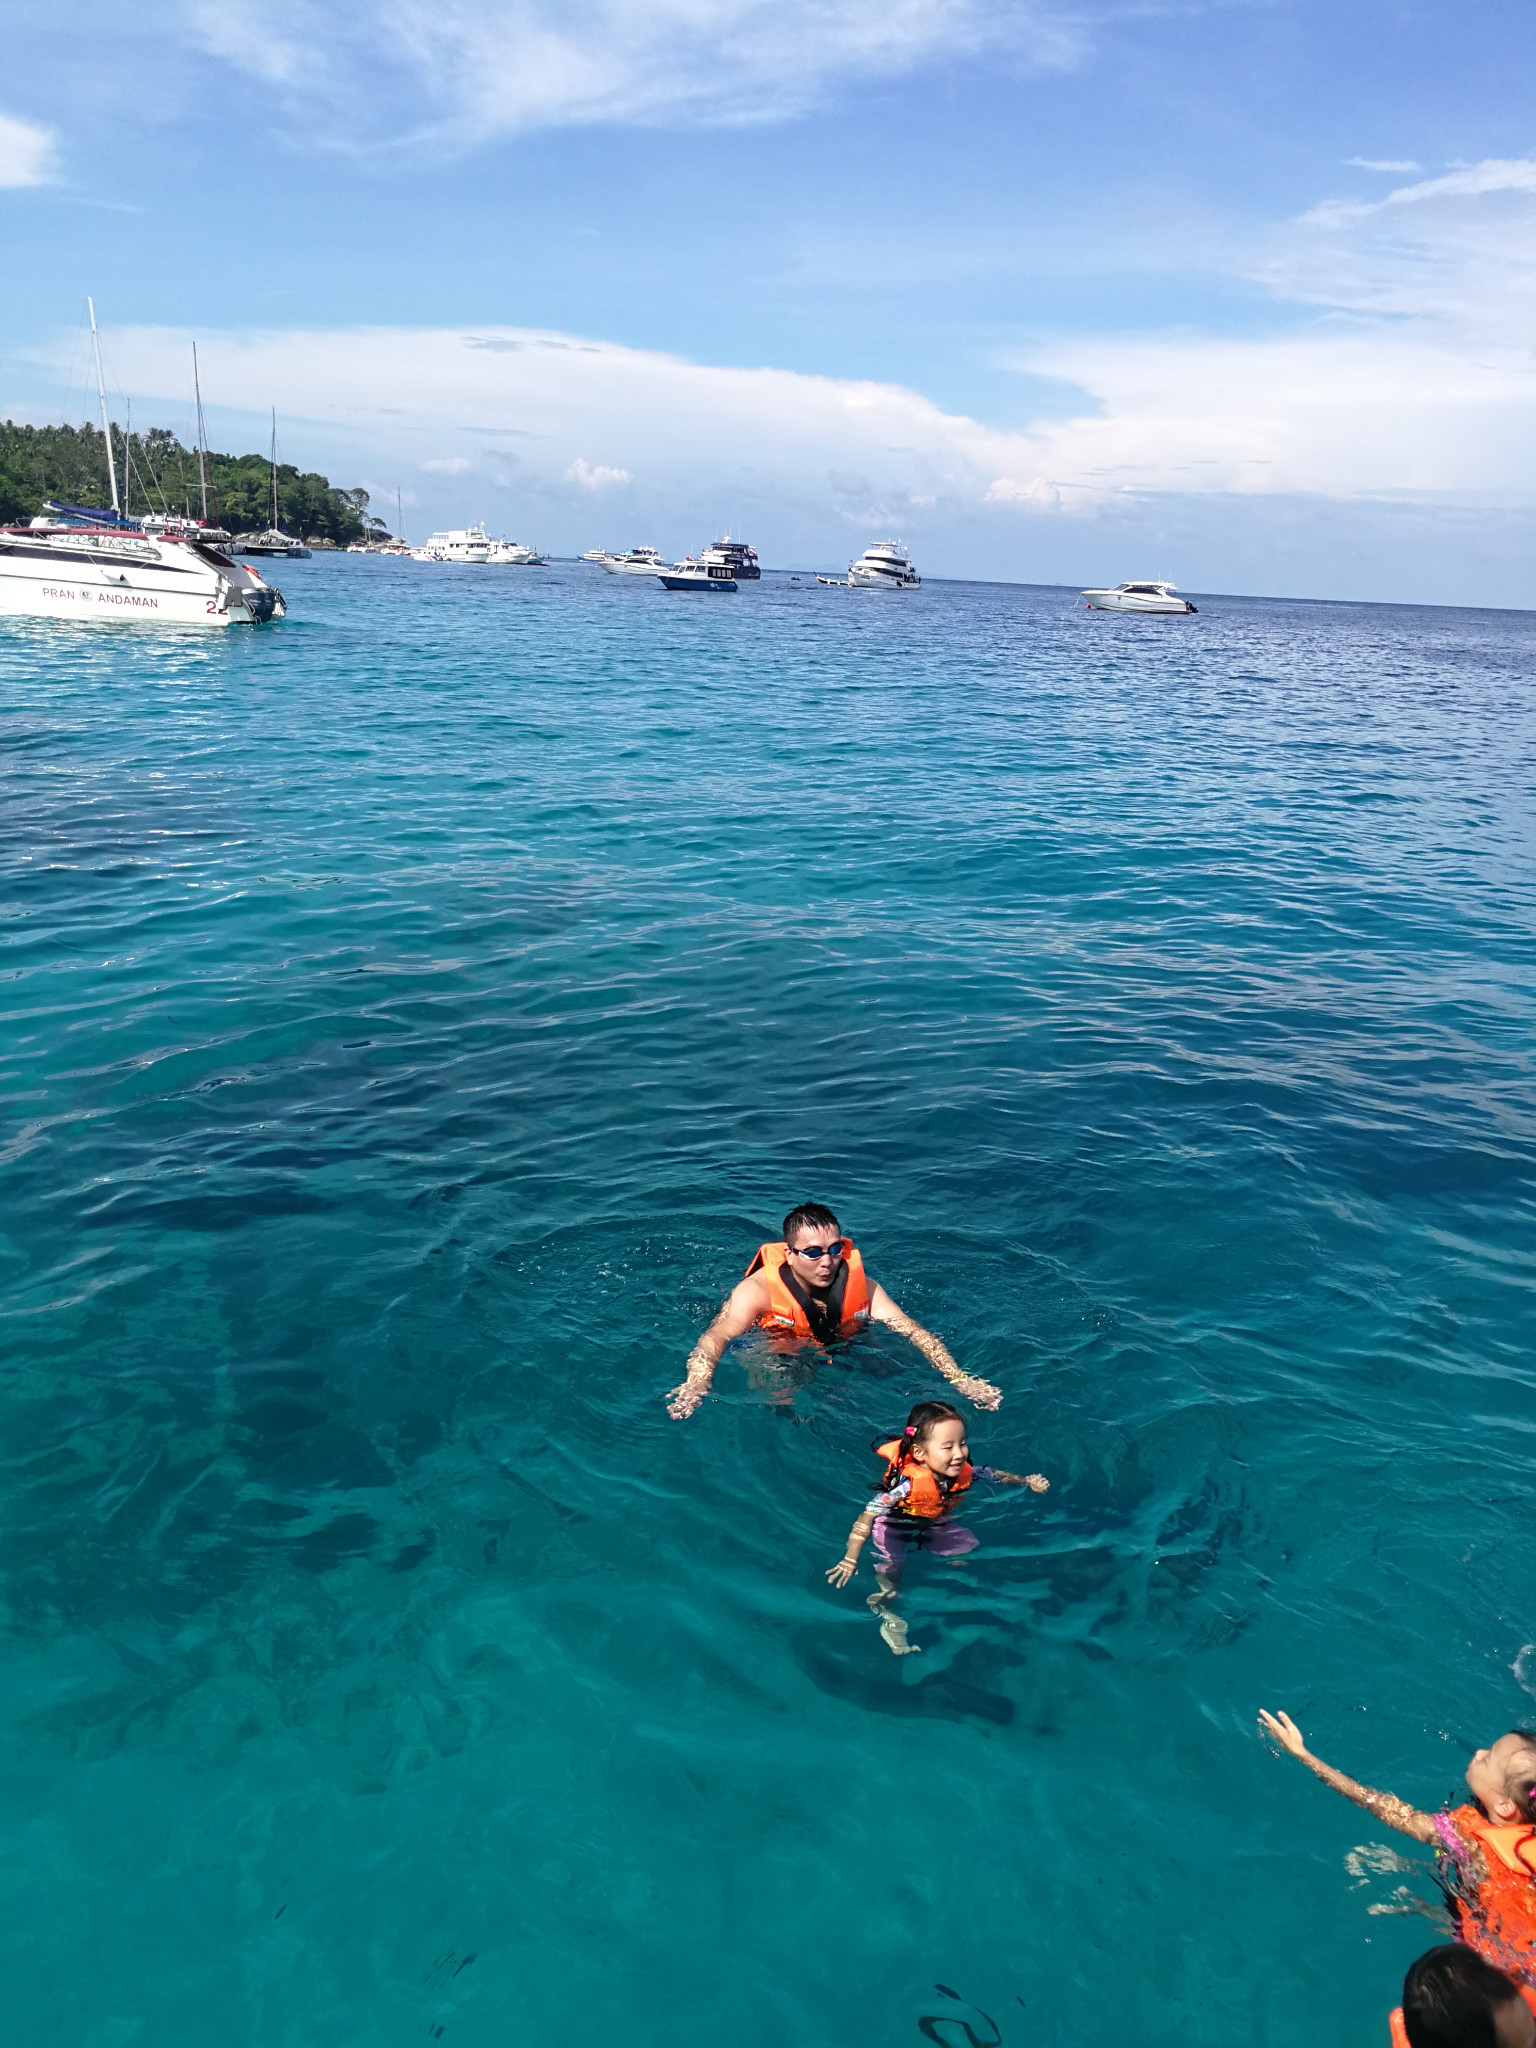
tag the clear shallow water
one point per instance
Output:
(414, 1016)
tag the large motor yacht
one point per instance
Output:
(74, 563)
(459, 544)
(635, 562)
(732, 558)
(1137, 597)
(885, 566)
(515, 554)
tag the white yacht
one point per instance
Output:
(595, 555)
(732, 558)
(88, 565)
(1138, 597)
(515, 554)
(459, 544)
(885, 566)
(635, 562)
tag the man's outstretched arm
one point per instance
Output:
(884, 1310)
(746, 1302)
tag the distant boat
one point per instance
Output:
(459, 544)
(274, 541)
(515, 554)
(1138, 597)
(734, 557)
(691, 575)
(886, 566)
(636, 562)
(595, 555)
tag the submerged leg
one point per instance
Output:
(893, 1628)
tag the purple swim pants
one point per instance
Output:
(944, 1539)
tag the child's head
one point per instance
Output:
(1453, 1999)
(1502, 1778)
(935, 1437)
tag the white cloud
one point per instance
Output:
(448, 465)
(457, 72)
(1382, 163)
(26, 152)
(596, 476)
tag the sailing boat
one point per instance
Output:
(188, 528)
(274, 541)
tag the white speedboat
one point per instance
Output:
(1138, 597)
(595, 555)
(87, 565)
(459, 544)
(515, 554)
(732, 558)
(691, 575)
(635, 562)
(886, 566)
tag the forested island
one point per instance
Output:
(156, 473)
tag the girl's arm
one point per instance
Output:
(858, 1536)
(1387, 1807)
(1035, 1481)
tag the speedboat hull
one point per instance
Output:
(95, 577)
(670, 580)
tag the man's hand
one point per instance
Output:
(683, 1400)
(1037, 1482)
(980, 1393)
(843, 1570)
(1282, 1729)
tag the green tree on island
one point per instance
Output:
(156, 473)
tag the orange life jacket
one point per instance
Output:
(1400, 2031)
(927, 1500)
(1498, 1919)
(847, 1299)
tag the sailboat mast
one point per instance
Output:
(202, 468)
(400, 536)
(101, 393)
(274, 469)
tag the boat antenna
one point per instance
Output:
(101, 392)
(202, 436)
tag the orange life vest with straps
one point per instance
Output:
(927, 1500)
(1498, 1918)
(1400, 2030)
(791, 1307)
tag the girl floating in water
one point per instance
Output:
(1487, 1850)
(927, 1469)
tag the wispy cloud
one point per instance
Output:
(447, 465)
(27, 152)
(1382, 163)
(457, 72)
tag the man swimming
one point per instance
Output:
(812, 1286)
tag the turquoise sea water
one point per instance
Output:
(415, 1015)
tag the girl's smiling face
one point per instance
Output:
(943, 1450)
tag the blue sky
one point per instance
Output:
(1236, 293)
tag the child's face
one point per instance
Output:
(1490, 1771)
(944, 1450)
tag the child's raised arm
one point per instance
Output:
(858, 1536)
(1387, 1807)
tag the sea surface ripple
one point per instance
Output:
(415, 1014)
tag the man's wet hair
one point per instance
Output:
(810, 1216)
(1452, 1999)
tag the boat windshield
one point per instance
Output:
(208, 553)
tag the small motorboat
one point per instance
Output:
(1138, 597)
(691, 575)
